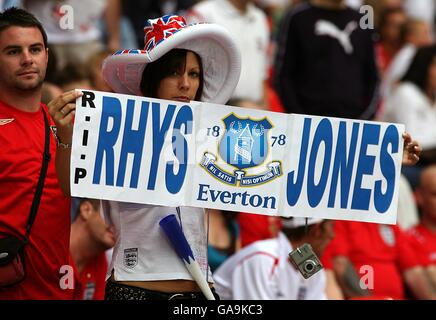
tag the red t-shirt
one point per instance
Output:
(90, 283)
(254, 227)
(22, 136)
(424, 243)
(385, 248)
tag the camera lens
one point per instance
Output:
(309, 266)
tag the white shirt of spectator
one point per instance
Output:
(397, 69)
(262, 271)
(408, 105)
(85, 17)
(251, 32)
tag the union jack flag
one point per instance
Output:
(157, 30)
(129, 51)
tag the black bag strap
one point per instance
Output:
(40, 186)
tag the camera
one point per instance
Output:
(305, 260)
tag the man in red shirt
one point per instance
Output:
(23, 63)
(424, 234)
(90, 238)
(383, 258)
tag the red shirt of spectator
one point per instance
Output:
(89, 284)
(254, 227)
(424, 243)
(22, 136)
(384, 248)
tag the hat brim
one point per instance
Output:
(296, 222)
(219, 54)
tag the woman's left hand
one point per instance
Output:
(411, 150)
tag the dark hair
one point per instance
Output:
(174, 60)
(298, 233)
(20, 18)
(71, 73)
(384, 15)
(94, 203)
(408, 28)
(418, 70)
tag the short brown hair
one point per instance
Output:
(21, 18)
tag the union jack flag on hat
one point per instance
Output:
(219, 54)
(157, 30)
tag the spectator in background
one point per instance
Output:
(49, 89)
(23, 63)
(254, 227)
(95, 76)
(421, 10)
(383, 256)
(136, 10)
(424, 234)
(414, 34)
(390, 41)
(378, 6)
(223, 236)
(90, 238)
(73, 76)
(248, 25)
(325, 62)
(74, 34)
(263, 271)
(413, 104)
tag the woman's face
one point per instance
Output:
(181, 85)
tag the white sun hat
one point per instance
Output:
(296, 222)
(220, 57)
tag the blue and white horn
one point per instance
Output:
(173, 231)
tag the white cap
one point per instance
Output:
(295, 222)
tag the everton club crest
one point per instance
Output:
(243, 146)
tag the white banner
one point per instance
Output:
(136, 149)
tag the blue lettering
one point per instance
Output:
(387, 166)
(107, 139)
(159, 133)
(324, 134)
(293, 190)
(224, 196)
(255, 201)
(227, 197)
(267, 200)
(365, 166)
(133, 142)
(174, 182)
(343, 165)
(202, 191)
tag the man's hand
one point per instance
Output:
(411, 150)
(62, 110)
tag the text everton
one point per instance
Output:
(244, 198)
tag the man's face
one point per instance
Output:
(102, 233)
(322, 236)
(23, 58)
(426, 193)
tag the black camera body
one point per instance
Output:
(305, 260)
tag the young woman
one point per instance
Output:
(198, 62)
(413, 103)
(181, 63)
